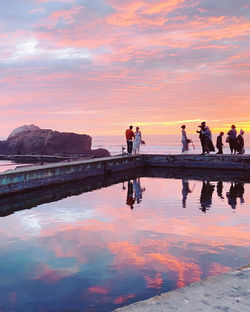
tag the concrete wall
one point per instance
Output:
(223, 162)
(36, 176)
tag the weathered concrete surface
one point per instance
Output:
(26, 178)
(37, 176)
(227, 292)
(212, 161)
(35, 158)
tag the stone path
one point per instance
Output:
(229, 292)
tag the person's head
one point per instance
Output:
(130, 127)
(241, 132)
(183, 126)
(221, 133)
(137, 128)
(233, 127)
(203, 124)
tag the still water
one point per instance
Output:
(125, 242)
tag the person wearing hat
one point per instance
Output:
(232, 138)
(206, 139)
(209, 146)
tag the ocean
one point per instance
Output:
(158, 144)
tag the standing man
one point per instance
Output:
(129, 137)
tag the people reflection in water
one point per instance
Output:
(220, 189)
(138, 190)
(206, 195)
(134, 192)
(185, 191)
(130, 195)
(236, 191)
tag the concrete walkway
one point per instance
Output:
(228, 292)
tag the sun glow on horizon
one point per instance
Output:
(98, 67)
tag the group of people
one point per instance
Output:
(134, 140)
(236, 142)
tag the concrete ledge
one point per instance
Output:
(26, 178)
(31, 177)
(227, 292)
(213, 161)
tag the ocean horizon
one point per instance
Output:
(159, 144)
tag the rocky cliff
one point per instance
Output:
(36, 141)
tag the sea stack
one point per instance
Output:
(31, 140)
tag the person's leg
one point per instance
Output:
(231, 147)
(130, 147)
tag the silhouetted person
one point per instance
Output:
(219, 143)
(240, 143)
(202, 140)
(130, 195)
(219, 189)
(206, 139)
(232, 138)
(206, 195)
(184, 139)
(129, 137)
(185, 191)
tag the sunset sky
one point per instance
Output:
(96, 66)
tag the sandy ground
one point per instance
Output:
(229, 292)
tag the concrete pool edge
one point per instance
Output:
(229, 291)
(31, 177)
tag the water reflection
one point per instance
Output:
(220, 189)
(134, 192)
(185, 191)
(90, 252)
(206, 195)
(236, 191)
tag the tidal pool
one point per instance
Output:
(102, 249)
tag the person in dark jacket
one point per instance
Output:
(202, 140)
(219, 143)
(206, 139)
(232, 135)
(240, 142)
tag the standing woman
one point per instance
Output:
(240, 142)
(184, 139)
(232, 135)
(137, 141)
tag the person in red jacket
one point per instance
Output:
(129, 137)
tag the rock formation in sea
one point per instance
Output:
(30, 139)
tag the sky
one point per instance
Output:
(97, 66)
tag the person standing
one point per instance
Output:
(207, 139)
(202, 140)
(219, 143)
(184, 139)
(232, 136)
(137, 141)
(129, 137)
(240, 142)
